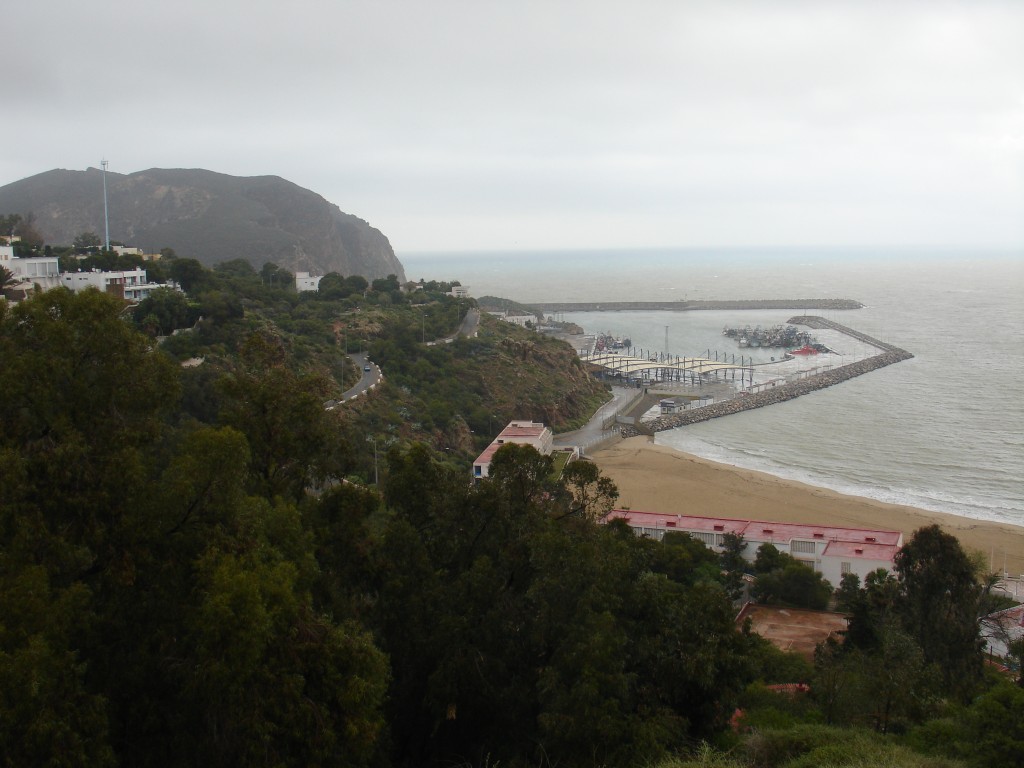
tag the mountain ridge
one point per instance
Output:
(206, 215)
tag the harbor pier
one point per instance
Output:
(747, 400)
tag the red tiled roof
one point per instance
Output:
(759, 530)
(1008, 616)
(856, 549)
(487, 455)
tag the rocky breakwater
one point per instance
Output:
(693, 306)
(746, 401)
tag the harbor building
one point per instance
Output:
(831, 551)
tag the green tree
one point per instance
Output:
(938, 605)
(6, 278)
(590, 495)
(782, 578)
(522, 472)
(356, 284)
(836, 672)
(282, 416)
(898, 684)
(87, 240)
(189, 274)
(995, 727)
(168, 308)
(734, 565)
(871, 608)
(769, 558)
(332, 287)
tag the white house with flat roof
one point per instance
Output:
(307, 282)
(831, 551)
(34, 270)
(128, 284)
(522, 432)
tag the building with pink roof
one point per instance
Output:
(1001, 628)
(830, 550)
(522, 432)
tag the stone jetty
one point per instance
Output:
(692, 306)
(888, 355)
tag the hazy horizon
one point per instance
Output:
(454, 126)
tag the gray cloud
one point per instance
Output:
(457, 124)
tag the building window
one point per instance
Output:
(806, 547)
(844, 568)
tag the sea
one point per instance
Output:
(943, 431)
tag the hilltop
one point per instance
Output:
(210, 216)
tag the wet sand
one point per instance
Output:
(653, 478)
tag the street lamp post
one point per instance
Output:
(372, 439)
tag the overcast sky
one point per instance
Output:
(469, 124)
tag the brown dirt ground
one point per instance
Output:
(792, 629)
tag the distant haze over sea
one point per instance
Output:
(944, 431)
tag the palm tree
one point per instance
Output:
(6, 278)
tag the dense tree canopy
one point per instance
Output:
(196, 570)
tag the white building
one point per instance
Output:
(522, 432)
(128, 284)
(306, 282)
(1001, 628)
(830, 551)
(459, 292)
(126, 250)
(35, 270)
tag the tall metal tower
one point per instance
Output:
(106, 220)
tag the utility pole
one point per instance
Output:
(106, 219)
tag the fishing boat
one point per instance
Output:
(806, 349)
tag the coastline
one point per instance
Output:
(655, 478)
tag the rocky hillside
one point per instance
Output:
(208, 216)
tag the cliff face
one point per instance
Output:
(208, 216)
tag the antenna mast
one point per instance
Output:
(106, 219)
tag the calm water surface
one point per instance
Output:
(944, 431)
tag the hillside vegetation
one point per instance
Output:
(206, 565)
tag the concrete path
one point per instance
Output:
(591, 432)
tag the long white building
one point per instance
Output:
(830, 551)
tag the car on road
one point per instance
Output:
(367, 368)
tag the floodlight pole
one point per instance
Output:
(106, 219)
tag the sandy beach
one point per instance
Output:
(653, 478)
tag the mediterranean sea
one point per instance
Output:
(943, 431)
